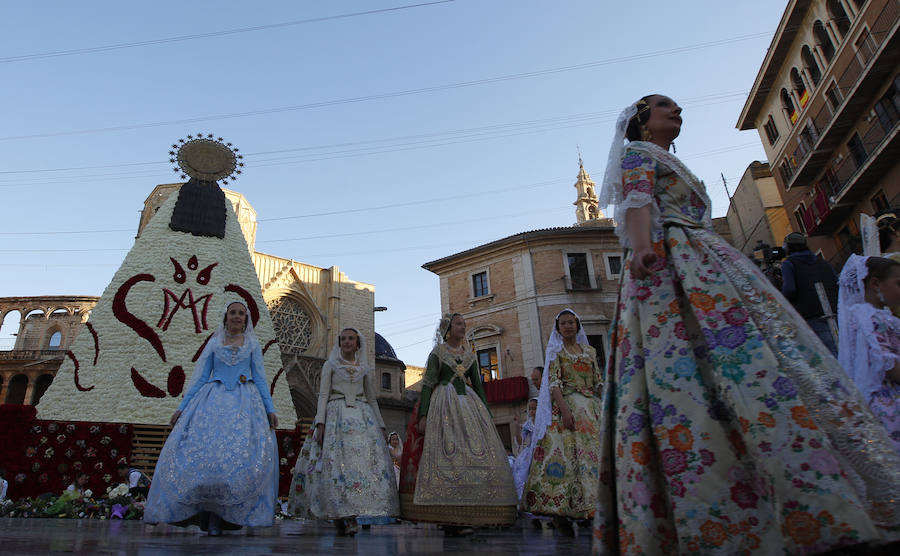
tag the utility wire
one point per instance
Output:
(406, 92)
(182, 38)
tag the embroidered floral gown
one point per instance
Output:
(352, 473)
(728, 428)
(458, 473)
(221, 456)
(876, 335)
(564, 467)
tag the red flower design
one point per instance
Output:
(743, 495)
(673, 461)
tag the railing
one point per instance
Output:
(843, 173)
(851, 75)
(17, 354)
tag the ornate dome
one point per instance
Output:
(383, 348)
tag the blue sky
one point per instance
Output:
(483, 102)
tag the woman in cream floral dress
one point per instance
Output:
(728, 428)
(344, 471)
(563, 476)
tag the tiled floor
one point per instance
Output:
(55, 536)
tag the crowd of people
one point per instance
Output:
(730, 417)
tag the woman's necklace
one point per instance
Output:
(573, 355)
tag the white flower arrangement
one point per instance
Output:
(119, 490)
(114, 360)
(88, 493)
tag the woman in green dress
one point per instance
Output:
(456, 475)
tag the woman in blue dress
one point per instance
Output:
(219, 466)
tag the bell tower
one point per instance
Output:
(586, 204)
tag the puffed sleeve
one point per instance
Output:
(429, 381)
(204, 378)
(638, 178)
(369, 389)
(554, 374)
(324, 392)
(259, 378)
(638, 183)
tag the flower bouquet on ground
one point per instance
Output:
(119, 500)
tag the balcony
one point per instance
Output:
(848, 181)
(823, 131)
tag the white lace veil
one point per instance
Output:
(362, 353)
(851, 291)
(612, 189)
(544, 414)
(215, 343)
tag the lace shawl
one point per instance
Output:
(867, 352)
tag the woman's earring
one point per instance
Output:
(645, 134)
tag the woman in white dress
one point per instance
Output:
(344, 471)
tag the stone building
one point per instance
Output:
(826, 104)
(309, 305)
(510, 291)
(756, 213)
(46, 327)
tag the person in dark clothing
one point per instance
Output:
(801, 272)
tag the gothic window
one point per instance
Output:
(55, 340)
(811, 66)
(293, 327)
(838, 16)
(799, 87)
(771, 130)
(489, 364)
(788, 106)
(823, 41)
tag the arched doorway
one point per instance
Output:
(15, 394)
(40, 386)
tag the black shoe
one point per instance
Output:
(341, 527)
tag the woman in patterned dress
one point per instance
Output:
(870, 335)
(727, 426)
(219, 466)
(344, 471)
(563, 475)
(454, 469)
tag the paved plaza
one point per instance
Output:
(89, 536)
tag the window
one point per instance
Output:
(596, 341)
(293, 327)
(386, 381)
(808, 136)
(613, 266)
(857, 150)
(579, 273)
(788, 106)
(838, 16)
(771, 130)
(823, 41)
(834, 96)
(799, 87)
(798, 215)
(480, 284)
(55, 340)
(488, 364)
(887, 109)
(865, 47)
(879, 202)
(811, 66)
